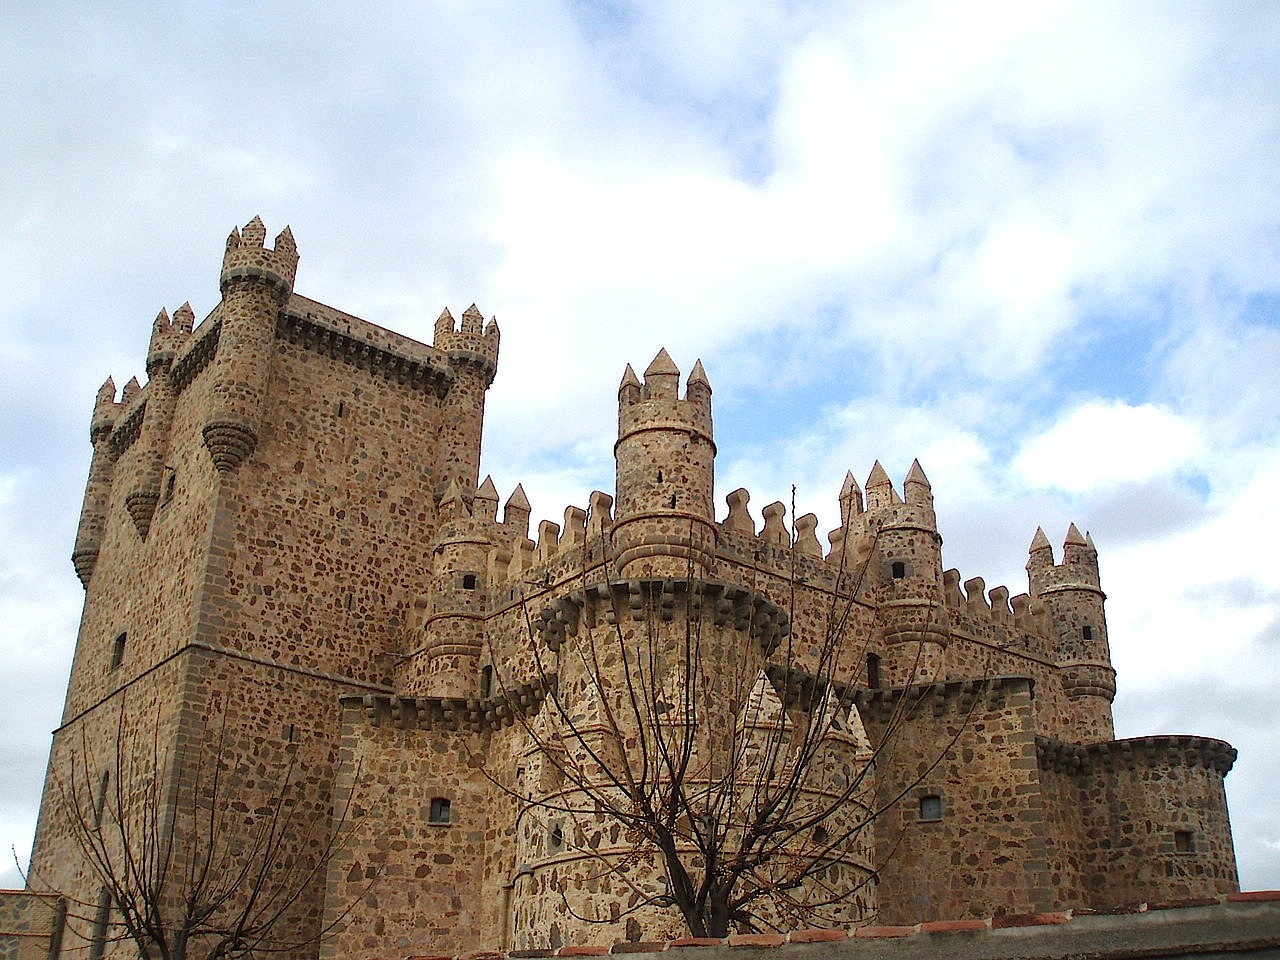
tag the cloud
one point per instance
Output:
(1032, 245)
(1107, 442)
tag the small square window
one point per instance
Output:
(931, 807)
(440, 810)
(1184, 841)
(899, 570)
(1086, 633)
(468, 581)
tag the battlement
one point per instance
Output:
(656, 403)
(1077, 571)
(471, 340)
(248, 259)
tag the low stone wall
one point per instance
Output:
(1234, 925)
(30, 925)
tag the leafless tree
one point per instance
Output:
(685, 717)
(187, 867)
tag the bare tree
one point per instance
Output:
(685, 718)
(187, 866)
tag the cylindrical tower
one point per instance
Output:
(1072, 590)
(256, 283)
(153, 440)
(665, 525)
(456, 606)
(908, 566)
(97, 492)
(472, 353)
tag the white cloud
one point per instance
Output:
(889, 230)
(1108, 442)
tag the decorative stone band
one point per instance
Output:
(915, 620)
(1083, 679)
(260, 272)
(430, 376)
(1136, 752)
(727, 605)
(468, 714)
(952, 696)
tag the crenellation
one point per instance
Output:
(320, 565)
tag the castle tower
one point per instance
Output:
(457, 595)
(144, 493)
(665, 456)
(907, 563)
(1072, 590)
(97, 492)
(256, 284)
(471, 349)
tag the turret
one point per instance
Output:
(167, 337)
(97, 492)
(664, 524)
(907, 566)
(1073, 593)
(471, 349)
(456, 602)
(256, 284)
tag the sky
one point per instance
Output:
(1036, 246)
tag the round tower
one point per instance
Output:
(256, 284)
(167, 338)
(97, 492)
(472, 353)
(457, 597)
(1073, 593)
(907, 565)
(665, 454)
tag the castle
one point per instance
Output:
(292, 566)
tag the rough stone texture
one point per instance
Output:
(290, 564)
(31, 925)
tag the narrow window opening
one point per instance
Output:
(117, 650)
(170, 483)
(899, 570)
(289, 731)
(555, 838)
(441, 811)
(468, 581)
(351, 599)
(342, 409)
(931, 807)
(673, 501)
(1086, 633)
(100, 798)
(486, 680)
(1184, 841)
(98, 939)
(659, 476)
(873, 670)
